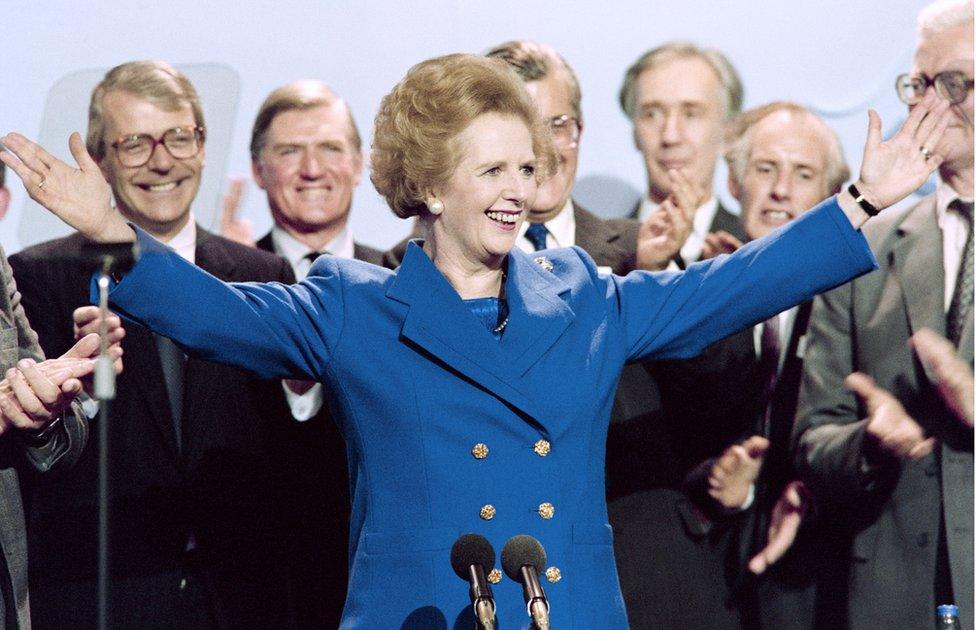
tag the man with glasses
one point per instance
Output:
(903, 482)
(193, 537)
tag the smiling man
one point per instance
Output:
(191, 519)
(306, 154)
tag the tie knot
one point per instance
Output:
(536, 234)
(964, 208)
(311, 256)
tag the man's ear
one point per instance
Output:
(735, 189)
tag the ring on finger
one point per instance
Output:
(41, 184)
(925, 152)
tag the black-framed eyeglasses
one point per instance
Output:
(951, 85)
(565, 131)
(181, 142)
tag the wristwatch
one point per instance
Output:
(862, 202)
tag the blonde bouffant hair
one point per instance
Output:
(414, 139)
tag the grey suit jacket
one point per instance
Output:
(893, 507)
(18, 341)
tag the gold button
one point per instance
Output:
(553, 574)
(488, 512)
(547, 510)
(542, 448)
(494, 576)
(479, 450)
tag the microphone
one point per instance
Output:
(470, 555)
(523, 559)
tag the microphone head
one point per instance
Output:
(471, 549)
(522, 550)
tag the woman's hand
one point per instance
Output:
(894, 169)
(78, 196)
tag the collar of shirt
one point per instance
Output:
(704, 215)
(562, 230)
(294, 251)
(185, 241)
(955, 231)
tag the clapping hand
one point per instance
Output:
(734, 472)
(33, 394)
(664, 232)
(953, 374)
(889, 425)
(78, 196)
(784, 523)
(231, 226)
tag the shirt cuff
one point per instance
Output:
(304, 406)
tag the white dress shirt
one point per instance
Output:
(305, 406)
(955, 231)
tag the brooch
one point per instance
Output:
(544, 262)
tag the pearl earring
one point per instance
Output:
(436, 206)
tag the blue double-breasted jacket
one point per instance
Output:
(451, 431)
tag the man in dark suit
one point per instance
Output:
(905, 481)
(680, 98)
(556, 219)
(193, 536)
(782, 161)
(306, 153)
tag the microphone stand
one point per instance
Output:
(104, 387)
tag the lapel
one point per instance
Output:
(148, 371)
(728, 222)
(598, 238)
(442, 324)
(916, 263)
(265, 243)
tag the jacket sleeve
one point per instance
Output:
(678, 314)
(66, 443)
(829, 434)
(271, 329)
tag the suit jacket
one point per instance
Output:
(314, 488)
(416, 382)
(210, 492)
(19, 341)
(673, 566)
(893, 507)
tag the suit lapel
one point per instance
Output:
(598, 238)
(916, 260)
(728, 222)
(442, 324)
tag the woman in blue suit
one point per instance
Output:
(473, 384)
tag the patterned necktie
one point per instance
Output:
(769, 366)
(962, 297)
(536, 234)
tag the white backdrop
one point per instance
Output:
(834, 55)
